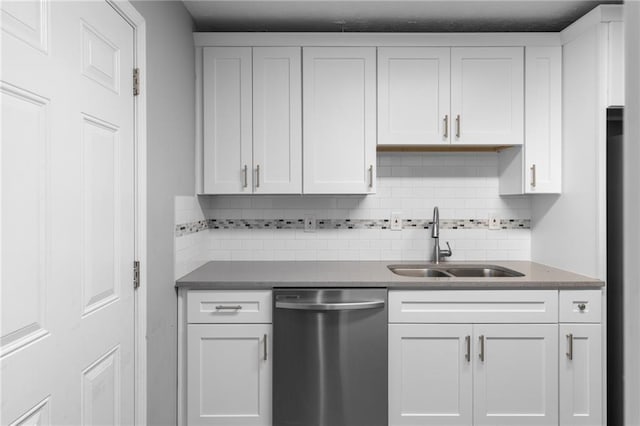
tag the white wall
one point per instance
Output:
(567, 230)
(632, 214)
(170, 151)
(463, 185)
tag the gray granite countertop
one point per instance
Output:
(248, 275)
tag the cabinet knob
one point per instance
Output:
(582, 307)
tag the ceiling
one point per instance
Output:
(388, 15)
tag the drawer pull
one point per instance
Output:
(570, 353)
(582, 307)
(265, 347)
(223, 307)
(467, 356)
(481, 348)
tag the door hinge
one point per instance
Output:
(136, 274)
(136, 81)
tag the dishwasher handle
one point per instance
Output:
(334, 306)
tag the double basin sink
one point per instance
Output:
(452, 270)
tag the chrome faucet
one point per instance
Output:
(438, 253)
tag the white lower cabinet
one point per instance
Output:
(228, 364)
(430, 374)
(480, 374)
(229, 374)
(490, 357)
(515, 377)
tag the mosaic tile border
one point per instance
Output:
(201, 225)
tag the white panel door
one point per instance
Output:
(277, 120)
(543, 147)
(413, 95)
(227, 120)
(229, 374)
(430, 374)
(515, 374)
(67, 344)
(487, 95)
(339, 116)
(581, 374)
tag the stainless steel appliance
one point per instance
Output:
(330, 357)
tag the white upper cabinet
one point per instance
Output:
(413, 95)
(487, 95)
(252, 120)
(227, 100)
(339, 116)
(543, 137)
(536, 168)
(277, 120)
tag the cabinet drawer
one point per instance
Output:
(580, 306)
(219, 306)
(485, 306)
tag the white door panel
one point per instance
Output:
(487, 95)
(67, 214)
(277, 120)
(339, 114)
(229, 374)
(516, 374)
(580, 374)
(430, 374)
(413, 95)
(227, 120)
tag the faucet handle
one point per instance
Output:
(448, 252)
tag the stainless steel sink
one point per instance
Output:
(454, 270)
(417, 271)
(480, 271)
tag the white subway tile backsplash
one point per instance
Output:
(463, 185)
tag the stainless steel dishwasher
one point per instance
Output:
(330, 357)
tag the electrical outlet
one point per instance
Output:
(309, 223)
(494, 222)
(396, 221)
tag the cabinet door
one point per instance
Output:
(227, 120)
(277, 120)
(339, 116)
(487, 95)
(581, 374)
(229, 374)
(413, 95)
(543, 140)
(516, 374)
(430, 374)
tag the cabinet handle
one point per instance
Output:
(371, 176)
(228, 307)
(246, 178)
(467, 356)
(533, 175)
(481, 348)
(258, 176)
(570, 353)
(265, 347)
(446, 126)
(458, 126)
